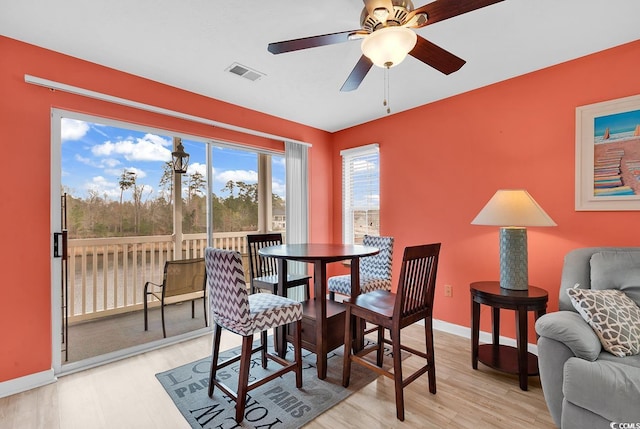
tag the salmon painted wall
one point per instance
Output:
(25, 292)
(441, 163)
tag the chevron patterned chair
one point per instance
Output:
(235, 310)
(375, 271)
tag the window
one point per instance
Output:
(118, 182)
(360, 193)
(248, 189)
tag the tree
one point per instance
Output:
(241, 211)
(197, 185)
(127, 180)
(137, 204)
(166, 182)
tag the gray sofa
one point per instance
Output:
(584, 385)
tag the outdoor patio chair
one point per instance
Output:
(264, 271)
(375, 271)
(412, 302)
(183, 280)
(235, 310)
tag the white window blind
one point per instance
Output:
(360, 193)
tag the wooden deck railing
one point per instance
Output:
(107, 275)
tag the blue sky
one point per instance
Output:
(617, 123)
(95, 155)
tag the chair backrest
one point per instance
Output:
(228, 297)
(260, 266)
(414, 297)
(183, 277)
(621, 265)
(379, 265)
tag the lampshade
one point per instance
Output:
(513, 210)
(388, 46)
(180, 159)
(512, 207)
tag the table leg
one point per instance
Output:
(475, 332)
(356, 322)
(495, 332)
(521, 328)
(280, 334)
(320, 293)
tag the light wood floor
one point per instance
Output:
(126, 394)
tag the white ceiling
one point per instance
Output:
(190, 43)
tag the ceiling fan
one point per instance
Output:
(387, 36)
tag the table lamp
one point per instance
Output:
(513, 210)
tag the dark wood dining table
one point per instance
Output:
(323, 320)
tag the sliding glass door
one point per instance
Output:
(125, 212)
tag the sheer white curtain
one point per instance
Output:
(297, 211)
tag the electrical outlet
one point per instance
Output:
(448, 290)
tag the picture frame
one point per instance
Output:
(608, 155)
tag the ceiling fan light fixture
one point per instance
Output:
(389, 46)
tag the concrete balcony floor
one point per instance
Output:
(116, 332)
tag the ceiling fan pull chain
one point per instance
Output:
(386, 102)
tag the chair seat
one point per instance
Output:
(178, 298)
(379, 301)
(342, 284)
(266, 311)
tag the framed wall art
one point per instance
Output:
(608, 155)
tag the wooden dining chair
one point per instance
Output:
(375, 270)
(182, 280)
(412, 302)
(264, 271)
(233, 309)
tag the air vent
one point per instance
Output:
(245, 72)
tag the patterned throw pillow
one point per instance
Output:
(614, 317)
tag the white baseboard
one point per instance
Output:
(485, 337)
(28, 382)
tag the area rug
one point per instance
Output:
(275, 405)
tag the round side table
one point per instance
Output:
(498, 356)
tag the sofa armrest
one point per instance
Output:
(552, 355)
(570, 329)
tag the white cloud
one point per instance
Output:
(73, 129)
(148, 148)
(104, 163)
(197, 167)
(102, 187)
(278, 188)
(117, 172)
(84, 160)
(247, 176)
(111, 162)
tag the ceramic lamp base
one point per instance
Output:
(514, 272)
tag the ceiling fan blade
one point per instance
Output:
(357, 74)
(310, 42)
(440, 10)
(436, 57)
(372, 5)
